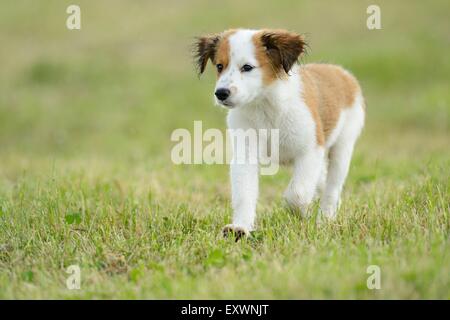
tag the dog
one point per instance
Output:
(319, 110)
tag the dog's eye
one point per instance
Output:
(246, 68)
(219, 67)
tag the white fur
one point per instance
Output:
(280, 106)
(340, 154)
(244, 87)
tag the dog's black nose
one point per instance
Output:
(222, 94)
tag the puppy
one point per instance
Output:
(317, 108)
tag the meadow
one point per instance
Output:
(86, 177)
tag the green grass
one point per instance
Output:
(86, 177)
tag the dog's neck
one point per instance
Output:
(278, 97)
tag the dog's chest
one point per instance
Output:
(292, 131)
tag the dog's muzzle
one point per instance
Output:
(222, 94)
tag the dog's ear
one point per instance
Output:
(204, 50)
(283, 48)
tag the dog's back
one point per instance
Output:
(327, 90)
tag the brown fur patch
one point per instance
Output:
(222, 55)
(270, 74)
(205, 49)
(327, 89)
(277, 51)
(213, 47)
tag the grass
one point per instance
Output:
(86, 177)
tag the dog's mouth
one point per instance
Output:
(226, 104)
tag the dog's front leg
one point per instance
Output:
(244, 188)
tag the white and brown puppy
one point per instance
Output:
(318, 109)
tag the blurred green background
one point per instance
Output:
(121, 84)
(85, 123)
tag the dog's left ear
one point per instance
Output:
(283, 48)
(204, 50)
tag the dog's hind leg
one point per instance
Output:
(322, 183)
(302, 187)
(340, 155)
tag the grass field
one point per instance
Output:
(86, 177)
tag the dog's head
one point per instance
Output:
(247, 61)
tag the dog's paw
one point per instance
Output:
(297, 204)
(325, 216)
(304, 212)
(237, 231)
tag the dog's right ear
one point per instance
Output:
(204, 50)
